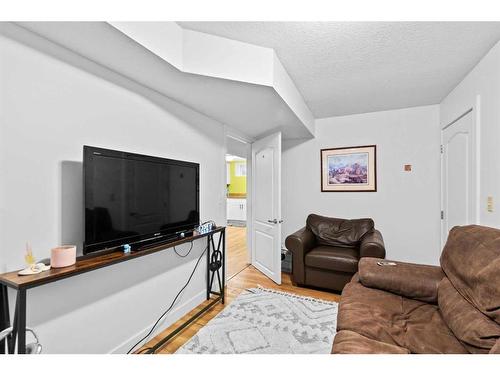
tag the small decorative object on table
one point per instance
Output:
(28, 257)
(205, 227)
(127, 249)
(63, 256)
(32, 268)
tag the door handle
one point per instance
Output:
(274, 221)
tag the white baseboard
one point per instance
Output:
(171, 318)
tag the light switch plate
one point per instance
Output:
(490, 204)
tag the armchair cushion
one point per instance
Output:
(333, 258)
(414, 281)
(331, 231)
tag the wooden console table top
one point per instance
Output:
(88, 263)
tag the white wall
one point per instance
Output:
(48, 111)
(480, 90)
(406, 205)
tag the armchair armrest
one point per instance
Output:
(416, 281)
(372, 245)
(299, 243)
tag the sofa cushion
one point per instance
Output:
(370, 312)
(342, 259)
(395, 320)
(496, 348)
(417, 281)
(471, 261)
(338, 232)
(476, 331)
(349, 342)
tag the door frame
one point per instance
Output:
(475, 110)
(230, 133)
(278, 218)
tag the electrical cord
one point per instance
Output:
(172, 304)
(143, 350)
(189, 251)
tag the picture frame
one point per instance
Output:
(349, 169)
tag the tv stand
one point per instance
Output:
(215, 252)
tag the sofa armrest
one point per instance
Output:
(299, 243)
(372, 245)
(416, 281)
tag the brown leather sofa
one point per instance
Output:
(326, 252)
(411, 308)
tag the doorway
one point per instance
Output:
(236, 206)
(458, 174)
(254, 205)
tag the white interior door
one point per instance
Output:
(458, 174)
(266, 212)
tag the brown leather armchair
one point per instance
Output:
(326, 252)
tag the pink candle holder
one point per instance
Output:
(63, 256)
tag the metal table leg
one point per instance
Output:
(223, 290)
(19, 326)
(208, 266)
(21, 321)
(4, 315)
(13, 336)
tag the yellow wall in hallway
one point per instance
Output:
(238, 184)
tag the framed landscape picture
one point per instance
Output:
(349, 168)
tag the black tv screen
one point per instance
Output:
(131, 198)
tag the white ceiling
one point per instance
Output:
(253, 110)
(354, 67)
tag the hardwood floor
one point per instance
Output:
(248, 278)
(237, 255)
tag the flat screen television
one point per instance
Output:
(134, 199)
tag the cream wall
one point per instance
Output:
(406, 205)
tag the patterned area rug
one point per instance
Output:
(268, 321)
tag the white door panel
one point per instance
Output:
(457, 180)
(266, 213)
(263, 242)
(264, 175)
(458, 176)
